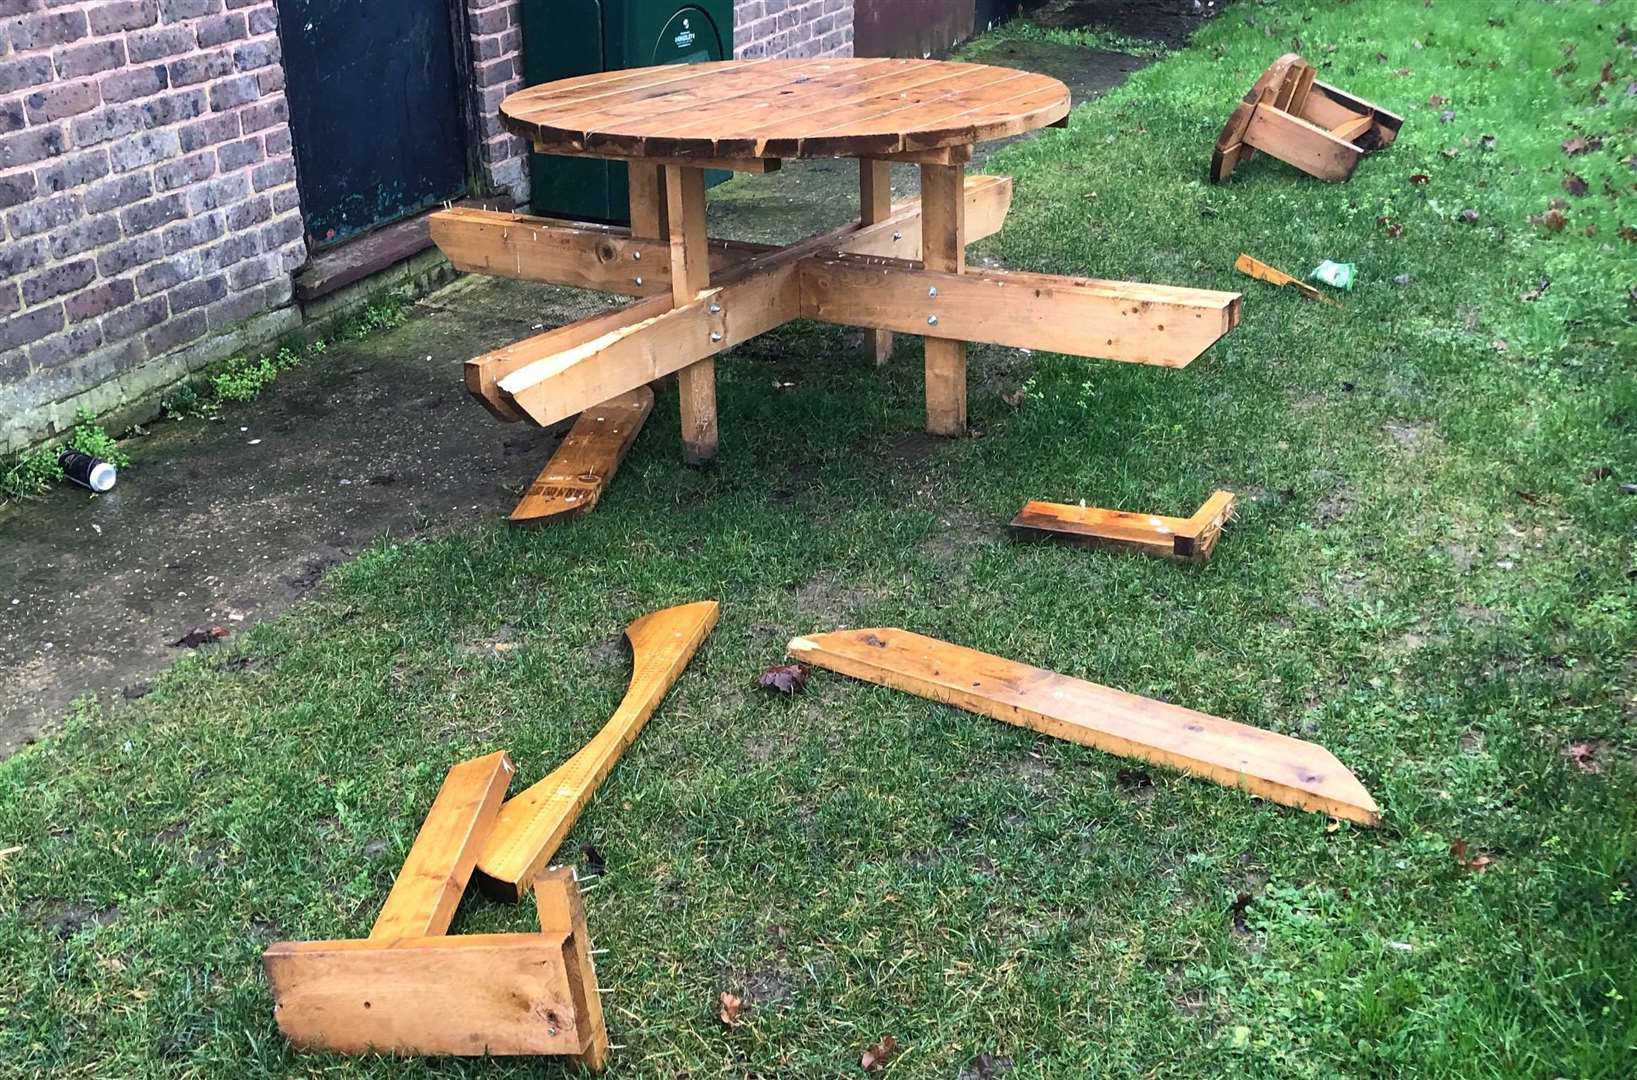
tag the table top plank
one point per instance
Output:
(785, 108)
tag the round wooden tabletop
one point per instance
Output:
(784, 108)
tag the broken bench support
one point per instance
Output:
(541, 249)
(1104, 320)
(470, 995)
(627, 262)
(585, 461)
(1190, 539)
(1306, 123)
(1150, 324)
(533, 823)
(1264, 763)
(434, 876)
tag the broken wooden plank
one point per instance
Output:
(1264, 763)
(585, 461)
(1190, 539)
(561, 910)
(1261, 271)
(533, 823)
(470, 994)
(440, 862)
(1106, 320)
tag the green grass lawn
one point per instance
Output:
(1432, 575)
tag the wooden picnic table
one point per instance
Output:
(898, 268)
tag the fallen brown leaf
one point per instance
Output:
(877, 1055)
(1574, 185)
(1580, 144)
(200, 636)
(785, 678)
(1419, 178)
(1584, 756)
(732, 1008)
(1469, 215)
(1627, 233)
(1553, 220)
(1476, 863)
(1537, 292)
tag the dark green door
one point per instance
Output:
(565, 38)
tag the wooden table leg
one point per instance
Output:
(874, 206)
(690, 273)
(646, 184)
(943, 247)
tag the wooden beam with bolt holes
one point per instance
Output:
(1264, 763)
(440, 862)
(533, 823)
(585, 461)
(543, 249)
(1106, 320)
(1306, 123)
(469, 995)
(1190, 539)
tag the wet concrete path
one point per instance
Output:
(228, 522)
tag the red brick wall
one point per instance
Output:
(147, 187)
(792, 28)
(497, 65)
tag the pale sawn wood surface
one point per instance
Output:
(533, 823)
(827, 107)
(1267, 764)
(467, 994)
(440, 862)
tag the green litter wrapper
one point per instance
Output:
(1339, 275)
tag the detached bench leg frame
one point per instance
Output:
(899, 269)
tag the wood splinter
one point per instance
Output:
(1264, 763)
(1261, 271)
(1190, 539)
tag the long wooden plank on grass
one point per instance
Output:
(1105, 320)
(585, 461)
(1273, 766)
(440, 862)
(533, 823)
(470, 994)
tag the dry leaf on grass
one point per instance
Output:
(1584, 756)
(200, 636)
(784, 678)
(877, 1055)
(1476, 863)
(732, 1009)
(1574, 185)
